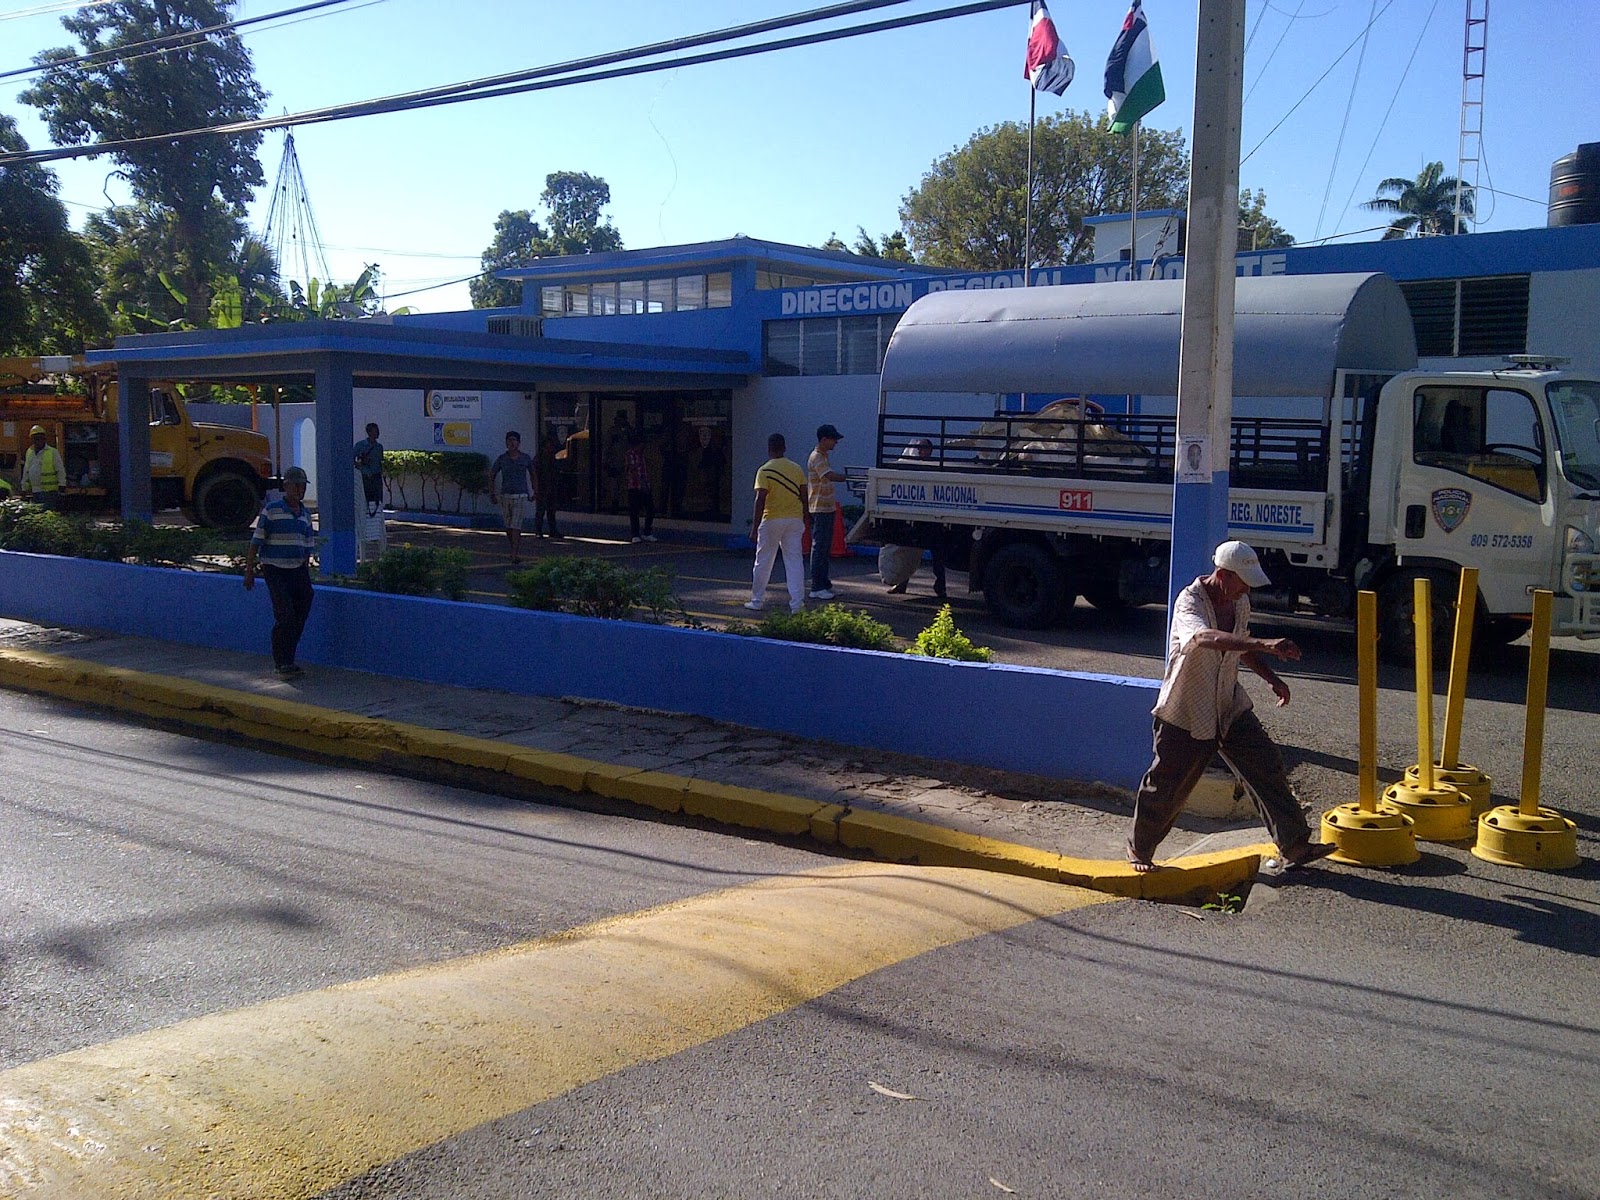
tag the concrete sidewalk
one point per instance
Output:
(892, 806)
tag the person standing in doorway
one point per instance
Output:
(369, 461)
(614, 460)
(641, 497)
(43, 472)
(280, 548)
(546, 473)
(823, 507)
(778, 524)
(514, 470)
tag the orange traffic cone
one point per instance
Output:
(839, 549)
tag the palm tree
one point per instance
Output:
(1424, 205)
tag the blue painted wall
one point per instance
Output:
(1096, 727)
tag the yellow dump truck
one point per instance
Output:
(216, 473)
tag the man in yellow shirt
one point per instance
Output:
(778, 524)
(824, 508)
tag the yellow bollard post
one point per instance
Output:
(1450, 769)
(1366, 833)
(1440, 812)
(1525, 835)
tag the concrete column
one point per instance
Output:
(1205, 363)
(336, 490)
(133, 446)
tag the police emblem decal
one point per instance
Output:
(1450, 507)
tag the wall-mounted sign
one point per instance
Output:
(461, 406)
(452, 433)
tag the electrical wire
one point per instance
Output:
(45, 10)
(540, 78)
(1275, 47)
(1386, 112)
(1388, 4)
(1344, 124)
(169, 41)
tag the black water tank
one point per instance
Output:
(1575, 187)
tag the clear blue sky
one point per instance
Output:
(797, 145)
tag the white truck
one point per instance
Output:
(1348, 468)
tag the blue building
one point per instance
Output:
(708, 348)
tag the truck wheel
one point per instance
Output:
(1397, 639)
(227, 500)
(1024, 586)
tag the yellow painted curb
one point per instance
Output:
(333, 734)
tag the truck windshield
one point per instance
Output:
(1575, 404)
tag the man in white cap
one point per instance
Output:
(1203, 710)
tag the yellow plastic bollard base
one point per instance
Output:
(1370, 839)
(1544, 842)
(1464, 778)
(1440, 813)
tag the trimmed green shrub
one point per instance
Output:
(593, 587)
(943, 640)
(416, 571)
(41, 531)
(831, 625)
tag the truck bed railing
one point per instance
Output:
(1266, 452)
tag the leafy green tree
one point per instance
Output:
(47, 277)
(1257, 231)
(575, 203)
(969, 211)
(1424, 205)
(207, 80)
(137, 251)
(891, 246)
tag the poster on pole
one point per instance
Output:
(1194, 460)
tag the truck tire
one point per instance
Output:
(1025, 587)
(1397, 639)
(227, 500)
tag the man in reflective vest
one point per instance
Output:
(43, 472)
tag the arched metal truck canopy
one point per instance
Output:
(1291, 332)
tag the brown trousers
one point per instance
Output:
(1180, 761)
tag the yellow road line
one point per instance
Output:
(288, 1098)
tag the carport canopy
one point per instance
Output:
(1291, 333)
(335, 357)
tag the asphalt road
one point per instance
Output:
(1359, 1034)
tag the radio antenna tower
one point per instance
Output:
(291, 231)
(1469, 150)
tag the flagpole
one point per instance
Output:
(1133, 212)
(1027, 235)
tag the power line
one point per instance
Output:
(169, 41)
(539, 78)
(44, 10)
(1392, 101)
(1312, 88)
(1344, 124)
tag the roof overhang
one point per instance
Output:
(1291, 333)
(384, 355)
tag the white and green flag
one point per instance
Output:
(1133, 76)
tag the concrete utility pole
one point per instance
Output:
(1205, 358)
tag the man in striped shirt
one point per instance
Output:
(281, 548)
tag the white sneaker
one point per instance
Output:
(754, 605)
(822, 595)
(796, 609)
(649, 537)
(636, 540)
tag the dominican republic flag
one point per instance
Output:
(1048, 68)
(1133, 76)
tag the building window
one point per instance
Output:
(630, 297)
(691, 292)
(719, 290)
(550, 300)
(577, 299)
(658, 295)
(827, 345)
(1456, 318)
(602, 299)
